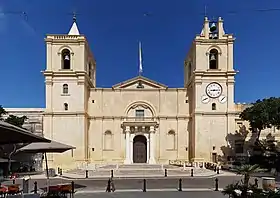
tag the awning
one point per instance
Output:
(42, 147)
(10, 134)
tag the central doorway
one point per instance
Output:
(140, 149)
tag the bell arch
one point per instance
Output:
(214, 47)
(64, 47)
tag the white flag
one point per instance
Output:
(140, 59)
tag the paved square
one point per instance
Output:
(162, 194)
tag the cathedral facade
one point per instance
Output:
(140, 120)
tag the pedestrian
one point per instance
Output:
(108, 188)
(112, 185)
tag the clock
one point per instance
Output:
(205, 99)
(222, 99)
(214, 90)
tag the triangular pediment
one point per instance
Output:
(139, 82)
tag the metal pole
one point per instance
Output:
(216, 184)
(86, 173)
(35, 187)
(144, 185)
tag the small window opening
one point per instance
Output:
(214, 107)
(65, 56)
(65, 106)
(187, 101)
(139, 114)
(189, 71)
(213, 59)
(65, 89)
(89, 70)
(92, 101)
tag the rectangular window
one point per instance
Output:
(139, 114)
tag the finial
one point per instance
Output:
(74, 17)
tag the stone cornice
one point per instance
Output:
(82, 76)
(215, 113)
(66, 114)
(212, 73)
(138, 90)
(228, 39)
(62, 38)
(124, 118)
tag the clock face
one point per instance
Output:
(205, 99)
(214, 90)
(222, 99)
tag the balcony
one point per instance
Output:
(139, 121)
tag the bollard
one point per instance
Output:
(86, 173)
(215, 168)
(112, 173)
(216, 184)
(165, 172)
(218, 170)
(144, 185)
(108, 189)
(256, 183)
(180, 185)
(14, 181)
(191, 172)
(72, 188)
(60, 171)
(35, 187)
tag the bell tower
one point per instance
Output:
(69, 75)
(209, 79)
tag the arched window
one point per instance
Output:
(65, 89)
(171, 140)
(65, 59)
(66, 106)
(214, 106)
(108, 140)
(213, 59)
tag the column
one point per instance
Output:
(131, 147)
(152, 145)
(148, 148)
(127, 146)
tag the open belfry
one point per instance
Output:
(140, 120)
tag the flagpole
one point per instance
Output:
(140, 60)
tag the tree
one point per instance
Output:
(2, 112)
(15, 120)
(263, 114)
(247, 171)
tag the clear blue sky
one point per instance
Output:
(113, 28)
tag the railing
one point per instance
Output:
(191, 164)
(139, 119)
(65, 37)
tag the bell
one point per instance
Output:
(66, 57)
(212, 57)
(213, 27)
